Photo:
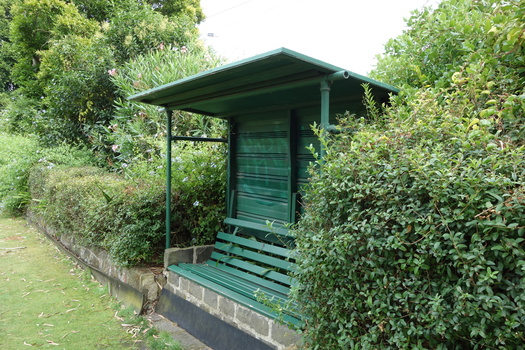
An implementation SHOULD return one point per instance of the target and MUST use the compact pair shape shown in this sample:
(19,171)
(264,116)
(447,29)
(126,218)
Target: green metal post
(169,114)
(325,109)
(326,81)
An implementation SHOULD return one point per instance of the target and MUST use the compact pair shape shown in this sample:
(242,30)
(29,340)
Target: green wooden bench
(253,259)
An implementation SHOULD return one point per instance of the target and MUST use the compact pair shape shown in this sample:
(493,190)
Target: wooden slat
(241,286)
(250,243)
(251,255)
(218,259)
(235,283)
(252,277)
(228,293)
(279,230)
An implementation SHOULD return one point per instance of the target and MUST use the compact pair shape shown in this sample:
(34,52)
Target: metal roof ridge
(211,72)
(259,57)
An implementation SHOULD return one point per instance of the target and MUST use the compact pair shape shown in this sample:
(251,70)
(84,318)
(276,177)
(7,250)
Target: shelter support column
(325,109)
(169,115)
(326,82)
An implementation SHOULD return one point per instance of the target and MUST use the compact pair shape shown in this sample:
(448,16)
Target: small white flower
(196,203)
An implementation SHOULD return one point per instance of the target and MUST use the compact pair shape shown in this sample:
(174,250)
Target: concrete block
(226,307)
(174,279)
(175,256)
(284,335)
(254,320)
(202,253)
(184,284)
(210,299)
(196,290)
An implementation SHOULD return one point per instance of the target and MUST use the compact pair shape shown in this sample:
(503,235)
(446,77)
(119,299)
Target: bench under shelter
(270,103)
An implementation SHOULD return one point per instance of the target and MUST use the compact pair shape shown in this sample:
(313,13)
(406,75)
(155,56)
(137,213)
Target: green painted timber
(278,230)
(242,267)
(227,292)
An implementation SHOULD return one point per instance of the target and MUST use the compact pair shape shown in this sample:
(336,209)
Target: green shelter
(270,102)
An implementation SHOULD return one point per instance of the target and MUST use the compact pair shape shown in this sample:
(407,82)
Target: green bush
(138,30)
(125,215)
(414,228)
(78,91)
(17,154)
(408,243)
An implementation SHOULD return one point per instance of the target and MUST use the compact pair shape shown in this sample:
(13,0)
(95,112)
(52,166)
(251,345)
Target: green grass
(48,302)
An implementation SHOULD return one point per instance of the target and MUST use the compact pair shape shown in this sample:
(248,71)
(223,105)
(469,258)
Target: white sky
(345,33)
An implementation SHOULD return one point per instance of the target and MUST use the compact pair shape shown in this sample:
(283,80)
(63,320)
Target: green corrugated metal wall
(268,164)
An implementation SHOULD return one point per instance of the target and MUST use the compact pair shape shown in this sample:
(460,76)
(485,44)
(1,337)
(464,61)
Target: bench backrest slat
(250,243)
(251,255)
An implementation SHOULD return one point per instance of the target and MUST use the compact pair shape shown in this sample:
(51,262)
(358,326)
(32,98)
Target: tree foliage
(414,228)
(58,54)
(7,52)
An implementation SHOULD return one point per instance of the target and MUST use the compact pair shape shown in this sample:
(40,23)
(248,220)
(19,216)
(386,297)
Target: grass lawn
(48,302)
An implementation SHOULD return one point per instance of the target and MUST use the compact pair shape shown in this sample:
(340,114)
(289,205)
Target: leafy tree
(62,52)
(136,131)
(34,25)
(77,88)
(439,43)
(190,8)
(141,30)
(103,10)
(7,52)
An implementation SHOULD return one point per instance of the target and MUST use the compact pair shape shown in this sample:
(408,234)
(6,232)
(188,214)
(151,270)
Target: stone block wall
(258,326)
(148,281)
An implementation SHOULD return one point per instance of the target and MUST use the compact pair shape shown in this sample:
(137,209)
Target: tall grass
(17,154)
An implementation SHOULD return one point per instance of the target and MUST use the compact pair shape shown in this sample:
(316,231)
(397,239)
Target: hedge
(126,216)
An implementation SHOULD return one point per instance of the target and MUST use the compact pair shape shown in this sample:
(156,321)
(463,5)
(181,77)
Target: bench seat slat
(284,289)
(259,270)
(236,283)
(228,293)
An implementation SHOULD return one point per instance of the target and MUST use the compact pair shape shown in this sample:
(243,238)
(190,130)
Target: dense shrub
(78,90)
(18,154)
(414,228)
(125,215)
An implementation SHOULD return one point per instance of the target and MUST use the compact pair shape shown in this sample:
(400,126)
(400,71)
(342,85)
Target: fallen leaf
(50,342)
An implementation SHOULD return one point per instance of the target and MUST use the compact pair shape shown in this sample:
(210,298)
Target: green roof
(276,79)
